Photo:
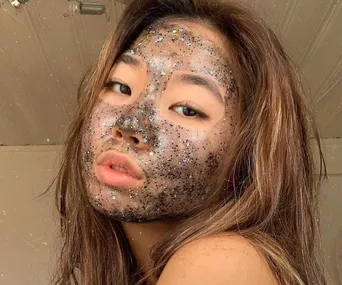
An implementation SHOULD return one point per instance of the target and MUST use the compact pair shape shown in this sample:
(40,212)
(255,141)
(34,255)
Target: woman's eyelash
(110,84)
(200,115)
(123,88)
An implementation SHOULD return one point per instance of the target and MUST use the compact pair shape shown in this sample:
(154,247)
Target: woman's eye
(119,87)
(185,111)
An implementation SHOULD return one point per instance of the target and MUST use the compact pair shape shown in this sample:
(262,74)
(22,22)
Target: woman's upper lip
(112,157)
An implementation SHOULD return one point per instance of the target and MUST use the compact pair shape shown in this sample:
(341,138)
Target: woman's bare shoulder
(218,260)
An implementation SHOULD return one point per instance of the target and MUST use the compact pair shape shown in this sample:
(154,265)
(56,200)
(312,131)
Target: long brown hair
(270,188)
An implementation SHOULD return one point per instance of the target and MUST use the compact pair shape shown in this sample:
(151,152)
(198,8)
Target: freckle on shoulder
(219,259)
(226,242)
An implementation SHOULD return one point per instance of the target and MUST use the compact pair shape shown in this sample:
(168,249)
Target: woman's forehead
(167,47)
(182,39)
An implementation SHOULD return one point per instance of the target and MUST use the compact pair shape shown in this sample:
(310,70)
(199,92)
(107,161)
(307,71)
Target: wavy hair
(270,187)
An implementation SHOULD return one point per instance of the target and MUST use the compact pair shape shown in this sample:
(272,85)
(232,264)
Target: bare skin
(219,260)
(142,237)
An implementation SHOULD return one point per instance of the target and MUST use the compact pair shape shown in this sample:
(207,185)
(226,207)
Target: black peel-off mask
(179,149)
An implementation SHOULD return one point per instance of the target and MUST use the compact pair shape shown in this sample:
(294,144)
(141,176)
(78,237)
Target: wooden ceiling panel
(30,62)
(324,55)
(328,108)
(304,20)
(13,115)
(274,11)
(16,96)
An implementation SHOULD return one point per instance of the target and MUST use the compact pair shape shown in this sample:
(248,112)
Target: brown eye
(186,111)
(118,87)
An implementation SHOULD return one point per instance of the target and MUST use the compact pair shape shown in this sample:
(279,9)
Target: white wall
(28,224)
(331,210)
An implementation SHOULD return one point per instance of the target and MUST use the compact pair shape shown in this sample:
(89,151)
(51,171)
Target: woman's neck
(142,237)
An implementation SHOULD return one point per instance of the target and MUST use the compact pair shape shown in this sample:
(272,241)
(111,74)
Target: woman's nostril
(118,134)
(135,140)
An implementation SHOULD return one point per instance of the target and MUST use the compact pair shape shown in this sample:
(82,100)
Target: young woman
(189,160)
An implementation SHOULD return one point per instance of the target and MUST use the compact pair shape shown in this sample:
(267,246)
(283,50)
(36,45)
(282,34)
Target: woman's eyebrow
(127,59)
(204,82)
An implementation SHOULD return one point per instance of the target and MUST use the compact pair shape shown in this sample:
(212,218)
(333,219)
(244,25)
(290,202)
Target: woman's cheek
(101,121)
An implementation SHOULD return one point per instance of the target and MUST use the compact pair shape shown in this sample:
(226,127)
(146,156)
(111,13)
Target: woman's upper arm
(220,260)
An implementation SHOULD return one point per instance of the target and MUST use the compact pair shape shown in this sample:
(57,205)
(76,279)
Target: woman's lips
(132,175)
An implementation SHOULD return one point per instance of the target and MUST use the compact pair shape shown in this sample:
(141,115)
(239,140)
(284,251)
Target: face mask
(160,130)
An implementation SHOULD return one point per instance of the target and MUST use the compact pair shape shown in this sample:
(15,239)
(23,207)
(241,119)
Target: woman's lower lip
(116,178)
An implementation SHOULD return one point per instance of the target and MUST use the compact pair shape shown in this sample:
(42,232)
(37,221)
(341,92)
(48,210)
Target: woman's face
(160,130)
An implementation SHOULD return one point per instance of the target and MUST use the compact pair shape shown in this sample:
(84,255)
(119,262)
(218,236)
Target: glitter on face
(180,162)
(159,39)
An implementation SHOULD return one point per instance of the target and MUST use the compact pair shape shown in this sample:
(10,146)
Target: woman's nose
(137,141)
